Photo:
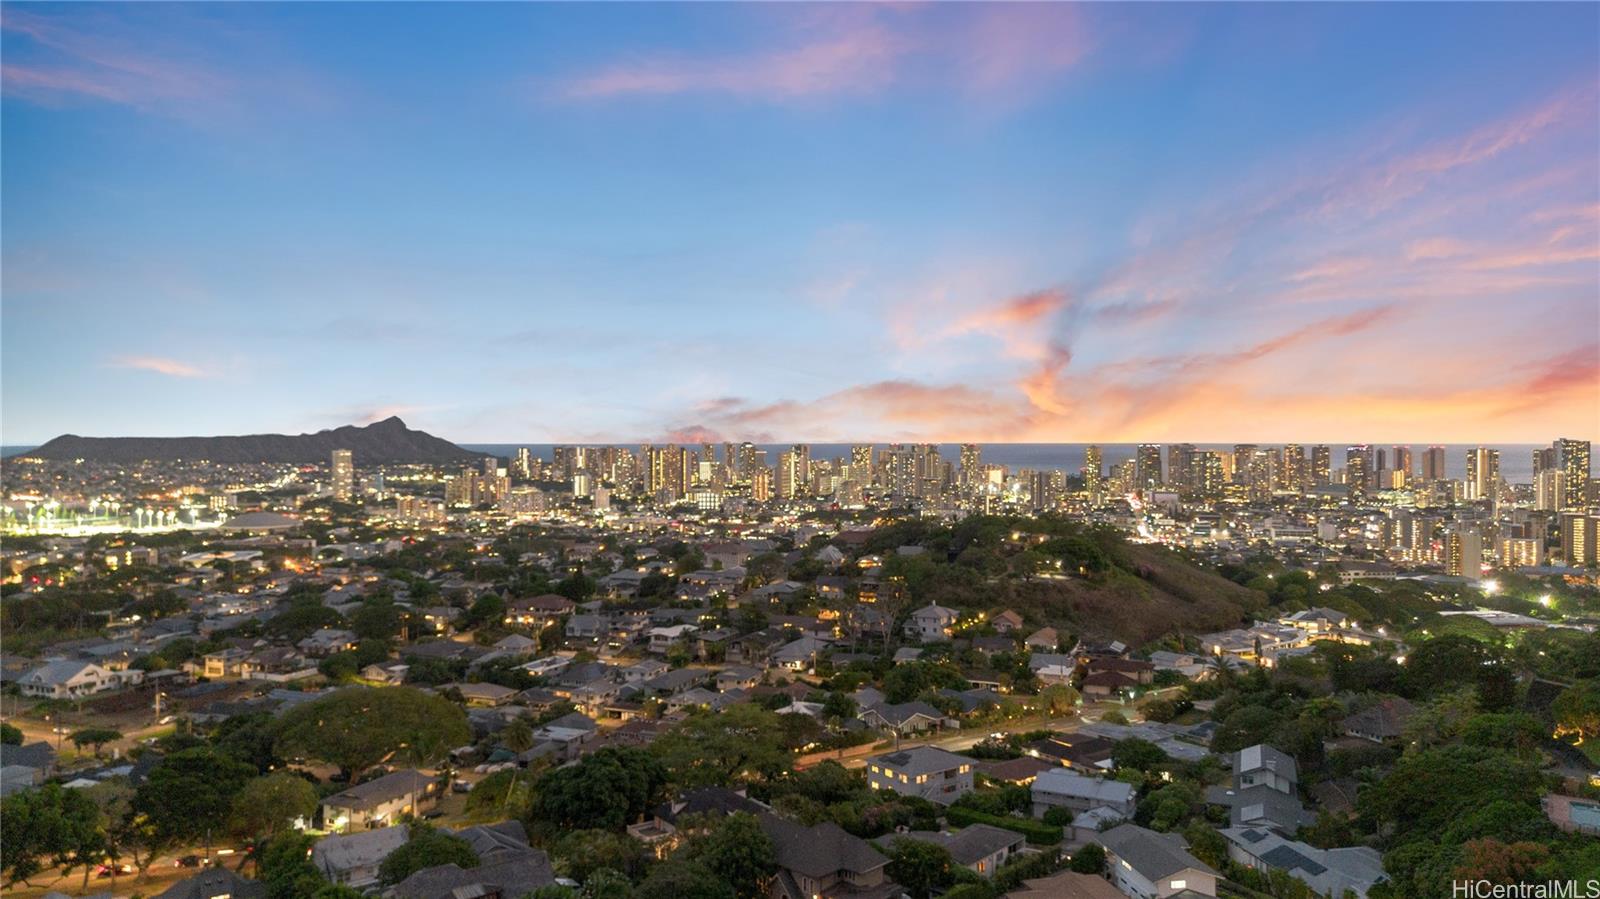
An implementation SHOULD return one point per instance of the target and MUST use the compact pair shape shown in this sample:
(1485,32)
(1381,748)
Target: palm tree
(517,737)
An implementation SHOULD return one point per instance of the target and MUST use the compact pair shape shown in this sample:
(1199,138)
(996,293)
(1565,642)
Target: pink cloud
(858,50)
(160,365)
(101,64)
(854,62)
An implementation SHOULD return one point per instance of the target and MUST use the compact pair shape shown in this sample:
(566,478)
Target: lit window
(1180,884)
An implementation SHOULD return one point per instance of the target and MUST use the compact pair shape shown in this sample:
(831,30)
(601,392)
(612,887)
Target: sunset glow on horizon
(942,222)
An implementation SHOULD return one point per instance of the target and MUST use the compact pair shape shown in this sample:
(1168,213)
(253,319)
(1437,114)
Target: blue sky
(778,222)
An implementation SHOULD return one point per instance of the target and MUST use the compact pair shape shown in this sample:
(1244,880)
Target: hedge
(1037,832)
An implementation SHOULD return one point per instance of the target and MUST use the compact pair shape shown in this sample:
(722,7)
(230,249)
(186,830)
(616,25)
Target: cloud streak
(172,368)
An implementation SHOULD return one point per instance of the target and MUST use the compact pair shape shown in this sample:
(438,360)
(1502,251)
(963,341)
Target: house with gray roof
(215,883)
(825,860)
(1329,872)
(1063,788)
(1261,806)
(378,802)
(1261,765)
(979,847)
(902,718)
(1144,864)
(924,771)
(353,858)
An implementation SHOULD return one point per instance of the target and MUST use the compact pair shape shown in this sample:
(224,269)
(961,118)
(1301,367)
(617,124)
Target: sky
(783,222)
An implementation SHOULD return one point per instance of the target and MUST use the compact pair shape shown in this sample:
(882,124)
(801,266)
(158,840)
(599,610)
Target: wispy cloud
(160,365)
(90,58)
(861,50)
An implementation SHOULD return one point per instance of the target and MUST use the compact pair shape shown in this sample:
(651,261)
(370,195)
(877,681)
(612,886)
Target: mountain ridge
(384,442)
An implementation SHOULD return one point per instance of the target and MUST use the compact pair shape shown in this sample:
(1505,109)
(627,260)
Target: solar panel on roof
(1287,858)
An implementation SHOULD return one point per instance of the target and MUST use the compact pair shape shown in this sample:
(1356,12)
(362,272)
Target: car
(461,786)
(188,861)
(113,870)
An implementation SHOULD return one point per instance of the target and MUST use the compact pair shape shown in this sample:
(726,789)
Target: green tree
(581,853)
(921,867)
(190,794)
(49,825)
(285,867)
(1577,710)
(744,741)
(358,727)
(1091,859)
(95,737)
(426,848)
(268,805)
(249,738)
(740,854)
(607,884)
(9,735)
(607,789)
(1140,755)
(682,880)
(1058,699)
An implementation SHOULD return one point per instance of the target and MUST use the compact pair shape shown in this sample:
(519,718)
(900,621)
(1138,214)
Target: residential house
(538,611)
(215,883)
(1007,622)
(1143,864)
(1262,765)
(353,859)
(1379,723)
(905,718)
(1066,885)
(1061,788)
(327,641)
(1261,806)
(224,663)
(662,639)
(1572,814)
(978,847)
(1328,872)
(70,679)
(924,771)
(1079,751)
(825,861)
(643,670)
(587,627)
(931,623)
(379,802)
(737,678)
(508,868)
(799,655)
(1045,639)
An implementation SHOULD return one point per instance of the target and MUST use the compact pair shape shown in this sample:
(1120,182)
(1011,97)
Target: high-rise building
(794,471)
(971,465)
(1180,475)
(1483,473)
(1296,476)
(1521,552)
(760,483)
(1433,464)
(1402,464)
(1573,458)
(1094,469)
(1210,480)
(522,464)
(343,475)
(1321,465)
(1464,551)
(1357,469)
(1579,538)
(1550,490)
(1147,466)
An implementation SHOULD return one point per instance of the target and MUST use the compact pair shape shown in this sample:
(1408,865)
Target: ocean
(1516,459)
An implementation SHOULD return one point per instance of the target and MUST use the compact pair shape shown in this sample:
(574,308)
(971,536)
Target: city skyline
(804,223)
